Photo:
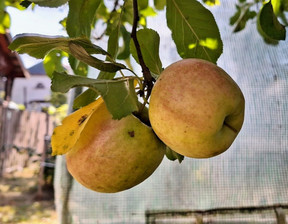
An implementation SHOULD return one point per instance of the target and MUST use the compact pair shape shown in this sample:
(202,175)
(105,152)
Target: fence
(24,138)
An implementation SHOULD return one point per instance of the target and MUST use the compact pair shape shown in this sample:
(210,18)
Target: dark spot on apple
(131,133)
(65,146)
(71,132)
(82,119)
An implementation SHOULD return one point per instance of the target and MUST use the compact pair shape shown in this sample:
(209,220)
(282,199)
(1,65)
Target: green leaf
(85,98)
(89,95)
(119,95)
(25,3)
(53,62)
(13,3)
(38,46)
(242,15)
(81,54)
(143,4)
(124,50)
(80,48)
(113,44)
(78,67)
(49,3)
(5,21)
(102,12)
(194,30)
(81,17)
(285,5)
(149,43)
(159,4)
(268,24)
(172,155)
(127,12)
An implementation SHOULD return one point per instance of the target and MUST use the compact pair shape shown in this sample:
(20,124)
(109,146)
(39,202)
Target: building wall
(35,88)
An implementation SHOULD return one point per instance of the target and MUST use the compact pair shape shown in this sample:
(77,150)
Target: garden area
(19,202)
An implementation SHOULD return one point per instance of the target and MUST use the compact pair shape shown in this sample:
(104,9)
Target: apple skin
(196,108)
(114,155)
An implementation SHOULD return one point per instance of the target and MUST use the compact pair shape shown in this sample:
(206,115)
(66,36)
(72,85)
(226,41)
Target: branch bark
(148,79)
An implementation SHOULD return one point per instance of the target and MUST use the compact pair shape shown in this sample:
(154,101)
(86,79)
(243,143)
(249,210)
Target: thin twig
(116,4)
(148,79)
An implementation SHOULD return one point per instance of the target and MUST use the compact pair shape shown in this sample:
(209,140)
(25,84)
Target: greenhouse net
(246,184)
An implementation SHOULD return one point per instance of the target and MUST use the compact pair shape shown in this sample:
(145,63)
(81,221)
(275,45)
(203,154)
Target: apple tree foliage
(123,23)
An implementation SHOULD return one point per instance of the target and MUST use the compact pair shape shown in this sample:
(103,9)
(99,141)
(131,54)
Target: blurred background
(246,184)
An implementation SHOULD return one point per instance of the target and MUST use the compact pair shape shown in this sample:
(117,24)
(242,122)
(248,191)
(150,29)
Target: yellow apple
(196,108)
(114,155)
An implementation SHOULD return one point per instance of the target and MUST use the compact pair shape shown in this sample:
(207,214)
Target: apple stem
(148,79)
(229,126)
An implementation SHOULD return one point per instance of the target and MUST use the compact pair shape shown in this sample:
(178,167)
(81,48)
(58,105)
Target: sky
(41,20)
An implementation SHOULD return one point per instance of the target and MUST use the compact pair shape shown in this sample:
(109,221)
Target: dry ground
(19,203)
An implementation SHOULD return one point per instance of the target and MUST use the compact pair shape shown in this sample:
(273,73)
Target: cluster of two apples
(196,109)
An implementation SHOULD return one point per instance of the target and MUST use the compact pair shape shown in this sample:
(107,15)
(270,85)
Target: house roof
(11,65)
(37,69)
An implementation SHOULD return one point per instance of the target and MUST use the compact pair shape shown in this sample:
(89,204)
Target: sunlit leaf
(53,62)
(4,21)
(268,24)
(191,24)
(276,6)
(149,41)
(16,4)
(65,136)
(212,2)
(149,11)
(119,95)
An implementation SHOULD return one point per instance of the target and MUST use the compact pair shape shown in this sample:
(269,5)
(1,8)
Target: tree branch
(148,79)
(116,4)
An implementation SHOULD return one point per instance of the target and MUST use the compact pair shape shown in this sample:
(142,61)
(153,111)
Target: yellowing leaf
(66,135)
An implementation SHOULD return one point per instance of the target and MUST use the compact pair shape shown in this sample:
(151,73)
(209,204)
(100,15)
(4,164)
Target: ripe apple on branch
(123,126)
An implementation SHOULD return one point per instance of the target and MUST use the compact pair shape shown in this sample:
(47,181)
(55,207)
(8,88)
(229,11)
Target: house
(11,67)
(33,92)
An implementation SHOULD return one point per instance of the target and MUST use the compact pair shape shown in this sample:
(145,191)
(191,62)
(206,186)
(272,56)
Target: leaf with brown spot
(66,135)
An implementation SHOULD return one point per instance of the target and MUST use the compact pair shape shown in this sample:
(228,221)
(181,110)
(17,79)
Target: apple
(114,155)
(196,108)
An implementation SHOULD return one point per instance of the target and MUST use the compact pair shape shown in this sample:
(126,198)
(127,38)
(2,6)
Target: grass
(19,201)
